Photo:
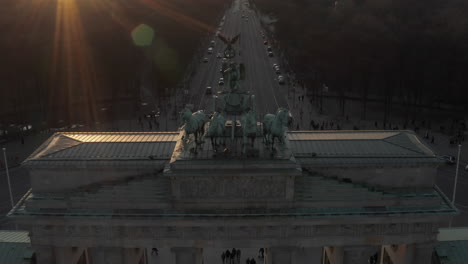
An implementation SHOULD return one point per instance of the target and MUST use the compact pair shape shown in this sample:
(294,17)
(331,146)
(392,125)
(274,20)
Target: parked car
(449,159)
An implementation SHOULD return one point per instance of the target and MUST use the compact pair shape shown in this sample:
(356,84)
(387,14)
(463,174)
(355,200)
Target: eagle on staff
(229,51)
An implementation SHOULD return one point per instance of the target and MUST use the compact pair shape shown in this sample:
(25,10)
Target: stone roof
(359,147)
(105,146)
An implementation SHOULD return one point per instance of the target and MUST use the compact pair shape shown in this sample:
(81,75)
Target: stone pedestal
(188,255)
(307,255)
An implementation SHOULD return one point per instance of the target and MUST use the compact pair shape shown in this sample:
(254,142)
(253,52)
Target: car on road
(208,90)
(275,65)
(265,42)
(219,56)
(270,54)
(269,48)
(205,60)
(277,70)
(210,50)
(281,79)
(221,81)
(448,159)
(212,43)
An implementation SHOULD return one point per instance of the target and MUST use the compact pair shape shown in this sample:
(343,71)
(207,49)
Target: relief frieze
(232,232)
(233,188)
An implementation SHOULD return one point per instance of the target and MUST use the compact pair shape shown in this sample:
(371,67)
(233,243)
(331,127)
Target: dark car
(449,159)
(270,54)
(208,90)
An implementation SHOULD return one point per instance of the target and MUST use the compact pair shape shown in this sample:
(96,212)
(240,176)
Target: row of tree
(408,52)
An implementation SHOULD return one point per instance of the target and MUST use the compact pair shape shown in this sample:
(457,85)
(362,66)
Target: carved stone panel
(232,188)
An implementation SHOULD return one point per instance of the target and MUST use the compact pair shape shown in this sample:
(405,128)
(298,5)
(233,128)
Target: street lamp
(8,177)
(456,176)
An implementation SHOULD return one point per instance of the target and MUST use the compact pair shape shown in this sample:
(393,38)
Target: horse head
(282,116)
(186,114)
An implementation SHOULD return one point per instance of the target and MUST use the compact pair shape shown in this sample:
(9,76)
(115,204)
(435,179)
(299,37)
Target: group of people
(234,256)
(151,118)
(231,257)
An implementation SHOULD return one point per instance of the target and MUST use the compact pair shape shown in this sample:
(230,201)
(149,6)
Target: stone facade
(198,204)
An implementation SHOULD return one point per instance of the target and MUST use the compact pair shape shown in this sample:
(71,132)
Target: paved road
(261,79)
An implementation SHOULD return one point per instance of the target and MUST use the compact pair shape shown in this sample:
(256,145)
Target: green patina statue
(274,127)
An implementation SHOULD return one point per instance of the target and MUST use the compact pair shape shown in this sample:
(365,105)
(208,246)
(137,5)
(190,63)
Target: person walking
(262,253)
(233,255)
(228,255)
(223,257)
(238,255)
(247,261)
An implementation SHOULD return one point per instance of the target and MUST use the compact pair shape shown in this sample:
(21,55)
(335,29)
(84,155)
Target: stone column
(278,255)
(68,255)
(333,254)
(107,255)
(44,255)
(307,255)
(133,255)
(395,253)
(188,255)
(359,254)
(422,253)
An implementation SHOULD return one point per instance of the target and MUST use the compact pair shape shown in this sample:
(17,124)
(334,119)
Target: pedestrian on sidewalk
(432,140)
(375,124)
